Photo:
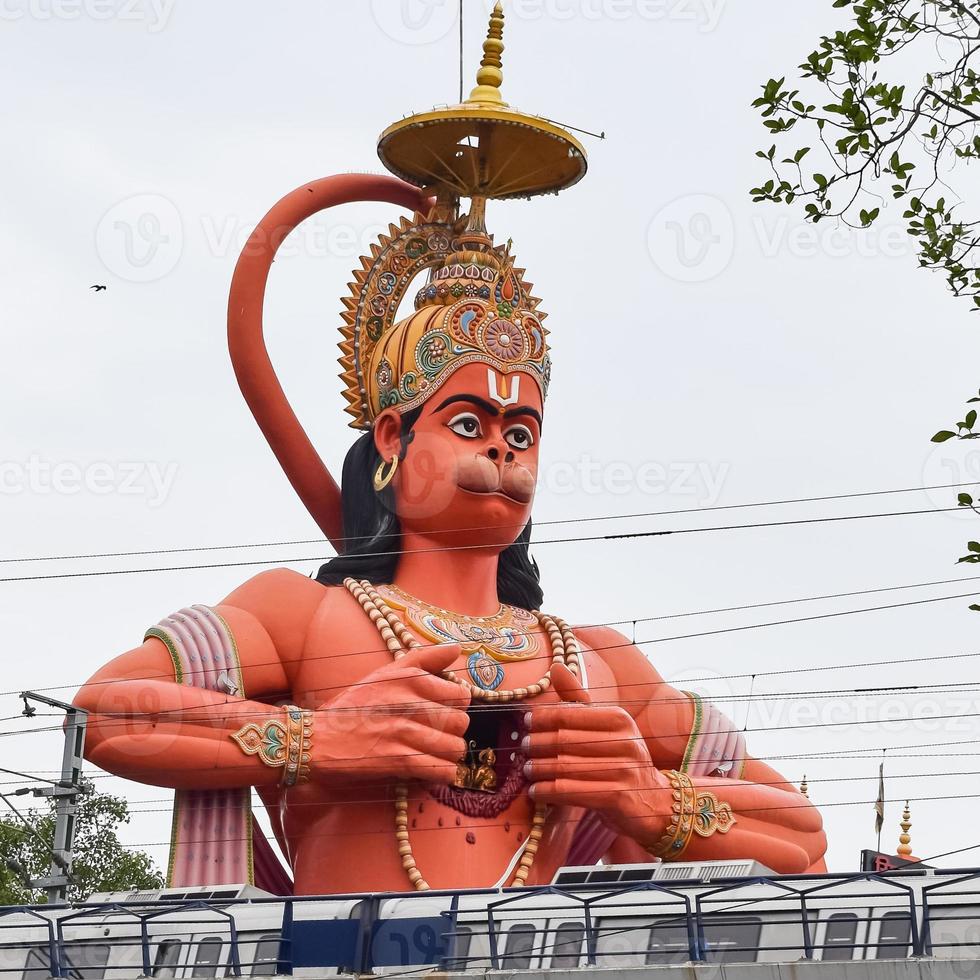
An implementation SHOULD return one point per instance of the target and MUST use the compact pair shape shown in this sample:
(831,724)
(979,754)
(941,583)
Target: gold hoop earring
(382,479)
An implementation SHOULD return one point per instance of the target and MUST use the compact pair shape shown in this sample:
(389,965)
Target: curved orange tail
(256,376)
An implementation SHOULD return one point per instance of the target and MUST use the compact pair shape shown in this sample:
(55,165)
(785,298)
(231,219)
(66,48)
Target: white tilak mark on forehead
(494,392)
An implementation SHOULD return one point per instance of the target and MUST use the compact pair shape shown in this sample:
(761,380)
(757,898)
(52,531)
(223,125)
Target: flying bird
(98,289)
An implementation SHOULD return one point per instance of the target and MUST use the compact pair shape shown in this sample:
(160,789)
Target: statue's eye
(466,424)
(519,436)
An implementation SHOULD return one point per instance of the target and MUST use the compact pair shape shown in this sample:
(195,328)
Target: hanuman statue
(410,718)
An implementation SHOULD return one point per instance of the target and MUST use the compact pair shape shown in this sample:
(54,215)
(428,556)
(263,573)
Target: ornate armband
(693,811)
(282,743)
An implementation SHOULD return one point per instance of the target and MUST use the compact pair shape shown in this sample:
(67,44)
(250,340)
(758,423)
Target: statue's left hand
(593,755)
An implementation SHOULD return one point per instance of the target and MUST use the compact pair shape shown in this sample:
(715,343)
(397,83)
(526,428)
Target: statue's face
(469,473)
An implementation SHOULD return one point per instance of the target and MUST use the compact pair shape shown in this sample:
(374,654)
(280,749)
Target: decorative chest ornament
(484,671)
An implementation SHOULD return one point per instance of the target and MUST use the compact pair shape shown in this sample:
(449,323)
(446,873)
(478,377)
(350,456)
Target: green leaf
(971,418)
(964,500)
(943,435)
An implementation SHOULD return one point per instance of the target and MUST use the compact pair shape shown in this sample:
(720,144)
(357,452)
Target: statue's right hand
(402,720)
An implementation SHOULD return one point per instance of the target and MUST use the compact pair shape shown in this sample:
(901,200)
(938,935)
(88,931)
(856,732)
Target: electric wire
(101,573)
(642,619)
(537,524)
(484,824)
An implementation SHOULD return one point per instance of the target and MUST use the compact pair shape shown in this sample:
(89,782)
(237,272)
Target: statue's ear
(387,431)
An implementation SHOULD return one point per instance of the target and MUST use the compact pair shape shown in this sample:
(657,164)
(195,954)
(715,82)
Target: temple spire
(489,75)
(905,838)
(804,787)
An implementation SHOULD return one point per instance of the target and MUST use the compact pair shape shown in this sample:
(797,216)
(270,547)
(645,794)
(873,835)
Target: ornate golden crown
(475,306)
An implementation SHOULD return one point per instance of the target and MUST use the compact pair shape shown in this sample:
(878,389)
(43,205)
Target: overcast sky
(708,352)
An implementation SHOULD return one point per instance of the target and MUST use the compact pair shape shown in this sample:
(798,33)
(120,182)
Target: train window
(85,961)
(38,966)
(460,945)
(568,945)
(206,961)
(167,955)
(668,944)
(520,943)
(732,939)
(893,936)
(840,937)
(266,962)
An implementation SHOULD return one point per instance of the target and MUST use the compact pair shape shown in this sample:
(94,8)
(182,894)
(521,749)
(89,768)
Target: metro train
(613,916)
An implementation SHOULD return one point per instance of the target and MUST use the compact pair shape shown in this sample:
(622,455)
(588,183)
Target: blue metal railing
(686,921)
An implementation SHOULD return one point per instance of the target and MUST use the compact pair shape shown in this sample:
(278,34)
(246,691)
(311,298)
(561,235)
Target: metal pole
(65,794)
(66,804)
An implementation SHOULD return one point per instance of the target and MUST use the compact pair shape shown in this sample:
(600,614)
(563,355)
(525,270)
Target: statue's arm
(148,725)
(640,731)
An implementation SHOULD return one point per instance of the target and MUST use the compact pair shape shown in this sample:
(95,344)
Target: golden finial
(905,839)
(483,148)
(489,76)
(804,788)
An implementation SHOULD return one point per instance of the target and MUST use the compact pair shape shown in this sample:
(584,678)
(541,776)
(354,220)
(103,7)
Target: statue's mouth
(480,475)
(499,730)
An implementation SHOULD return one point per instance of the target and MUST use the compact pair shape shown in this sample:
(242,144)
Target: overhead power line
(623,536)
(485,824)
(538,524)
(646,619)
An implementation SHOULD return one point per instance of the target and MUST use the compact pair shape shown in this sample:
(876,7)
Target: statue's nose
(493,453)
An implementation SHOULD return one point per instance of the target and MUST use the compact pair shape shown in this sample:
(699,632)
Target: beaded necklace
(506,636)
(398,639)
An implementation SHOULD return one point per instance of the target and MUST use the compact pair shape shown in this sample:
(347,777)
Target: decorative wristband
(692,812)
(281,743)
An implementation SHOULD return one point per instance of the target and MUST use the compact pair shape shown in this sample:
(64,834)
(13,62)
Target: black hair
(373,535)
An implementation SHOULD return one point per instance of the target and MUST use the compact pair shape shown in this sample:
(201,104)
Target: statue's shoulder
(277,585)
(629,665)
(600,638)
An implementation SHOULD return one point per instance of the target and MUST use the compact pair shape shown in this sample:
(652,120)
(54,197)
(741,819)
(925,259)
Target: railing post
(53,948)
(145,948)
(284,967)
(926,926)
(701,952)
(591,940)
(805,922)
(916,935)
(57,960)
(236,965)
(693,940)
(492,939)
(448,959)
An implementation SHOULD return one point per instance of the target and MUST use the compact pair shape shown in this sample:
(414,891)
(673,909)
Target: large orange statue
(409,718)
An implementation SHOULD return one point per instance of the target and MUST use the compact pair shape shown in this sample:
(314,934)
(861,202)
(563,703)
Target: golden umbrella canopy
(483,148)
